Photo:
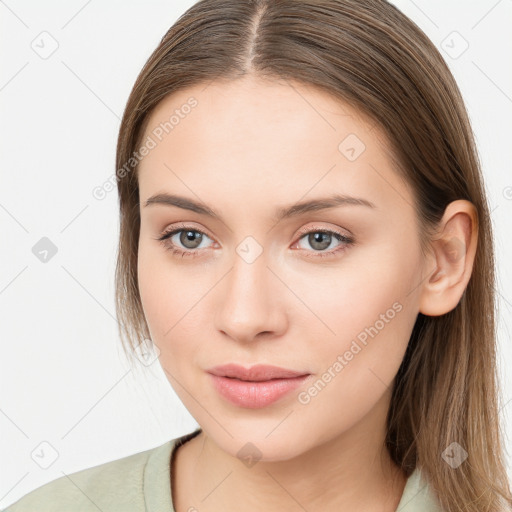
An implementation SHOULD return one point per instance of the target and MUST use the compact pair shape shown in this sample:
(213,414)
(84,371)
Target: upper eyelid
(301,231)
(315,229)
(177,228)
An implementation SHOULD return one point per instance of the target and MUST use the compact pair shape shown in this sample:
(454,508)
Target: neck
(351,471)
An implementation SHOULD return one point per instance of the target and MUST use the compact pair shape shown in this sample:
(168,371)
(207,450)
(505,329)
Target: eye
(321,239)
(184,240)
(187,241)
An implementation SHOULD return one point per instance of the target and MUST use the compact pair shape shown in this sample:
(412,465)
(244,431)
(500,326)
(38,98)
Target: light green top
(142,482)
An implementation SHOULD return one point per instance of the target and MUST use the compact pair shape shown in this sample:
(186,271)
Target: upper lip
(259,372)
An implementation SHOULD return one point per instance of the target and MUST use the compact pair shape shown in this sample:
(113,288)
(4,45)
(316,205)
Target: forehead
(251,108)
(251,135)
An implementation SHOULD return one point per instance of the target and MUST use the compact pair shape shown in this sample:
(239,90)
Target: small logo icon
(454,45)
(249,454)
(454,455)
(249,249)
(147,352)
(44,250)
(44,454)
(45,45)
(351,147)
(455,249)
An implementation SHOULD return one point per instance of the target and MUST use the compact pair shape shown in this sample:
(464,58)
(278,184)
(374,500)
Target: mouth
(257,373)
(255,387)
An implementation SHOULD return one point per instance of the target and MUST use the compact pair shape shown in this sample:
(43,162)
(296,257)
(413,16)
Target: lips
(257,373)
(255,387)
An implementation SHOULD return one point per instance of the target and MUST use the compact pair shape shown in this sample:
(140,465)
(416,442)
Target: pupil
(190,236)
(320,240)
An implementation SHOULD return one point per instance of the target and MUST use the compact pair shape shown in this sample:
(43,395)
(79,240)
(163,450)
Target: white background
(64,380)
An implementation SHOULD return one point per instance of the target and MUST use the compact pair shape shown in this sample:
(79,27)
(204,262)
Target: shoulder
(114,485)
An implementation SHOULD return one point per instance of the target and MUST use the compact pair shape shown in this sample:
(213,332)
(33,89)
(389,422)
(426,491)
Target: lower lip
(254,395)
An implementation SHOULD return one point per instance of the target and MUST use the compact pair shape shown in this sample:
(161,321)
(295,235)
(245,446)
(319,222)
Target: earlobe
(453,254)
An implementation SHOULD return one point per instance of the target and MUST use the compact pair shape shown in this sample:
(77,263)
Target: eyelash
(166,235)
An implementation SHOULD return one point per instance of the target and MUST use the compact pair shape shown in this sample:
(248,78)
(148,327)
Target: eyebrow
(286,212)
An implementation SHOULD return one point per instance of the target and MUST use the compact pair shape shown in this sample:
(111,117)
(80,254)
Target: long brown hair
(369,54)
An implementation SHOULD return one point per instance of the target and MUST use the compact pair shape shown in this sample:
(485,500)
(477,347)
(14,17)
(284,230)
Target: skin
(251,146)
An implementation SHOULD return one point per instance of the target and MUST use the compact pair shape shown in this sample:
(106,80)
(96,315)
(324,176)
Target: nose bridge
(248,302)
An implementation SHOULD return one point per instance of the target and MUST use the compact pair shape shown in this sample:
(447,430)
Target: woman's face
(329,290)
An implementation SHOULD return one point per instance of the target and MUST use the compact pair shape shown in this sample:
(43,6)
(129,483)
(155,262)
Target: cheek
(171,299)
(370,312)
(366,288)
(373,320)
(154,292)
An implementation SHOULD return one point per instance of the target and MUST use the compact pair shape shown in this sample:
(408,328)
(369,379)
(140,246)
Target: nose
(249,302)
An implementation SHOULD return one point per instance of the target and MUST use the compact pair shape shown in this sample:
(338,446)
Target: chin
(263,441)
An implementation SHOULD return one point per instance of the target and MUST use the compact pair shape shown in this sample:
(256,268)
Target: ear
(453,254)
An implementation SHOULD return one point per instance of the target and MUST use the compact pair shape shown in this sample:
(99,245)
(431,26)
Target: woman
(305,240)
